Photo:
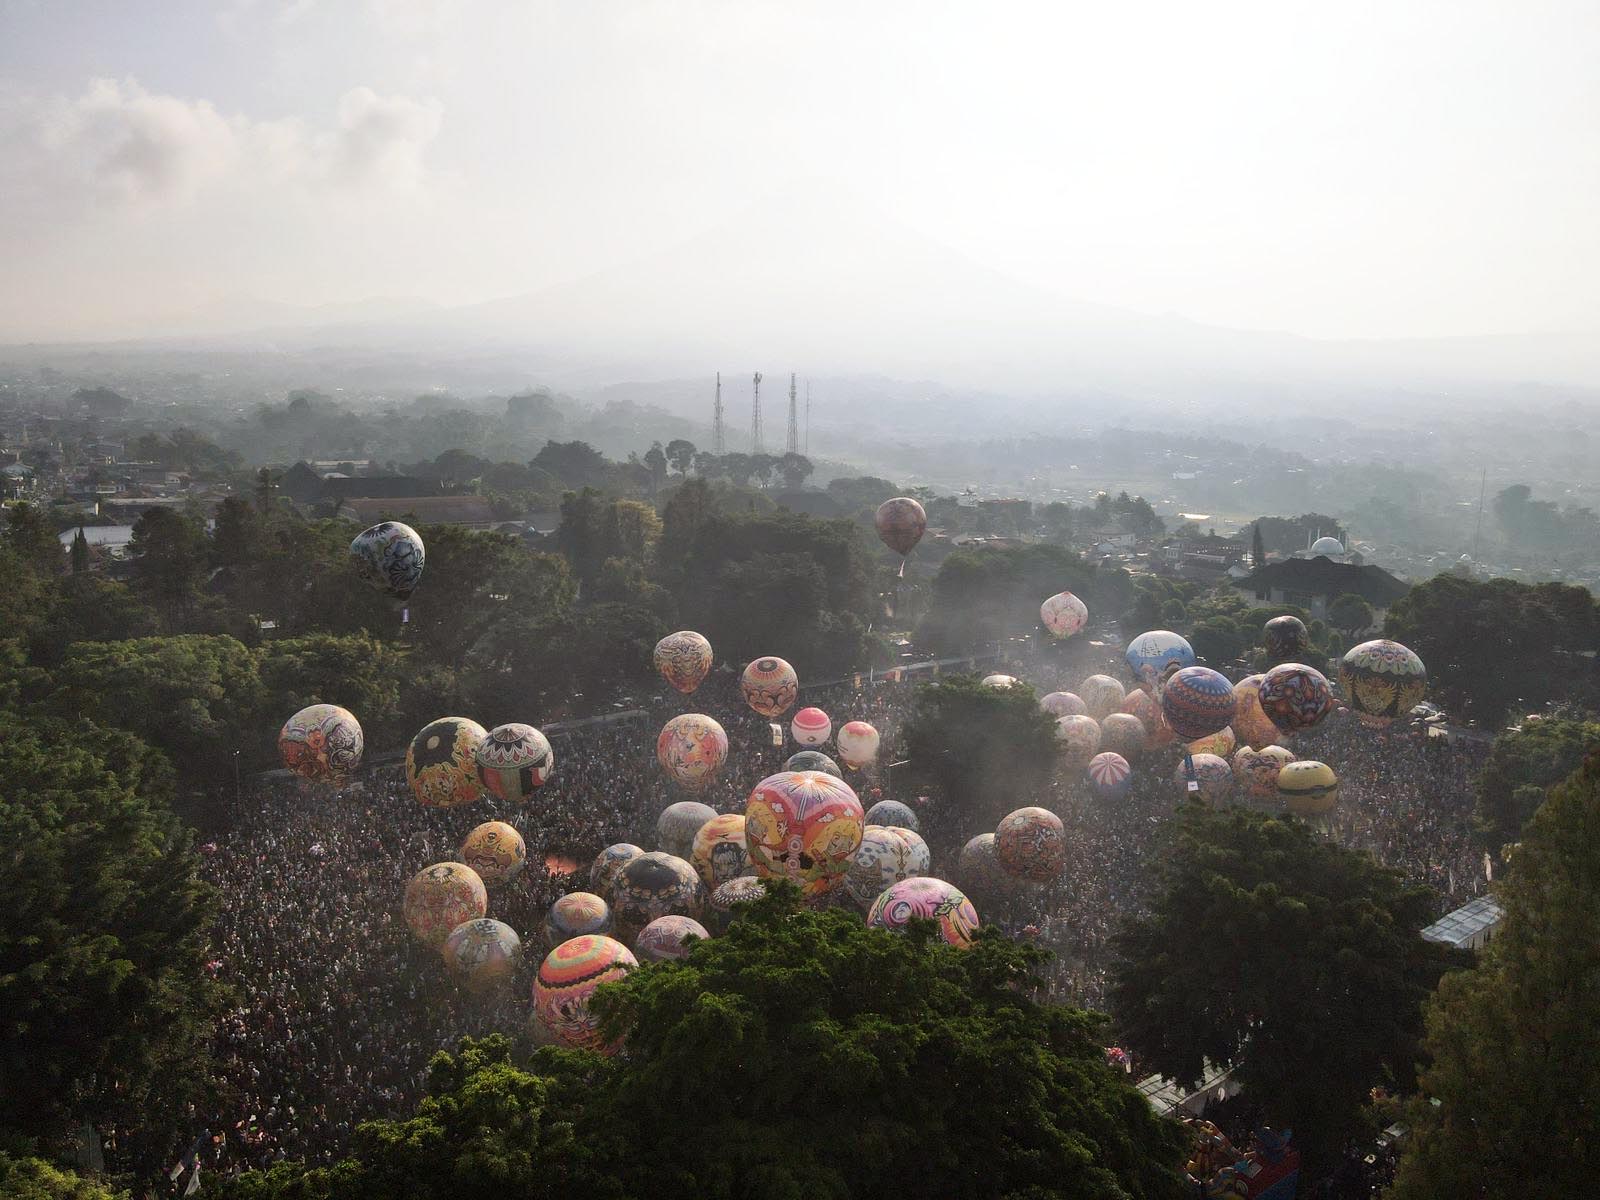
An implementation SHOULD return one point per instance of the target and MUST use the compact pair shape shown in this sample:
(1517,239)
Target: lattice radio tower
(793,445)
(755,417)
(717,446)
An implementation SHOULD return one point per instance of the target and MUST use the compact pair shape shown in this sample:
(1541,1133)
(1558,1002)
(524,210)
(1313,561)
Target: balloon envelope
(574,915)
(440,897)
(442,764)
(1101,694)
(813,760)
(930,900)
(1296,697)
(1251,725)
(495,850)
(1383,680)
(811,727)
(482,953)
(1063,704)
(513,761)
(679,824)
(1151,653)
(1197,701)
(568,979)
(1031,843)
(858,744)
(770,686)
(1109,775)
(1064,614)
(803,826)
(654,885)
(892,812)
(901,523)
(322,742)
(1257,770)
(684,659)
(1123,733)
(1285,637)
(1308,788)
(668,938)
(884,857)
(718,853)
(1211,772)
(608,862)
(1078,738)
(389,556)
(691,748)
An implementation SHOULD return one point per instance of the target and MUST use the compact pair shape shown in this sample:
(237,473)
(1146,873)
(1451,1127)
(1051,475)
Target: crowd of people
(338,1010)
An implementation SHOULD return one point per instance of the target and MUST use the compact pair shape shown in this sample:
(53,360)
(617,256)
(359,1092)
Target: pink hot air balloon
(811,727)
(1064,615)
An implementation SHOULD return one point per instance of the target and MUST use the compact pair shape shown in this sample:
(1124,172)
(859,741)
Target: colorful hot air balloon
(1031,843)
(1285,637)
(495,850)
(1123,733)
(1197,701)
(1064,614)
(1150,654)
(389,557)
(442,765)
(884,857)
(576,914)
(691,748)
(608,862)
(811,727)
(1220,743)
(803,826)
(858,744)
(1102,695)
(1211,771)
(513,761)
(654,885)
(668,938)
(322,743)
(813,760)
(901,523)
(568,979)
(440,897)
(979,868)
(1383,680)
(1140,703)
(893,813)
(1110,775)
(770,686)
(684,659)
(1078,738)
(679,824)
(1063,704)
(1257,770)
(742,889)
(1296,697)
(1251,725)
(482,953)
(1308,788)
(718,853)
(928,899)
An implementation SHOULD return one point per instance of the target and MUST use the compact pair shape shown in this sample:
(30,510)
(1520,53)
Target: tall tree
(34,538)
(1513,1075)
(80,552)
(169,552)
(1523,764)
(1258,547)
(1350,614)
(1291,959)
(681,454)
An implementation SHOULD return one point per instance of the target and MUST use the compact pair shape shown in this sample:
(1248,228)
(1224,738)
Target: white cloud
(381,140)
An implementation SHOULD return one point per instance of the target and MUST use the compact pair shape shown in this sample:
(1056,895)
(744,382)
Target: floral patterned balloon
(691,749)
(1031,843)
(1064,615)
(513,761)
(1210,771)
(440,897)
(389,556)
(1383,680)
(568,979)
(482,953)
(441,762)
(574,915)
(1251,725)
(1197,701)
(667,938)
(1063,704)
(1296,697)
(322,743)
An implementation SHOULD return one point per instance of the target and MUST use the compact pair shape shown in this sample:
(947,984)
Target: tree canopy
(1523,763)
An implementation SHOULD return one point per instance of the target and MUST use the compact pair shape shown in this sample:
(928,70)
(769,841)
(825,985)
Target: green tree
(34,539)
(87,608)
(36,1179)
(986,750)
(1292,959)
(475,580)
(681,454)
(1350,614)
(795,469)
(169,552)
(981,596)
(655,461)
(355,671)
(104,999)
(1258,547)
(1513,1072)
(239,535)
(1523,763)
(80,552)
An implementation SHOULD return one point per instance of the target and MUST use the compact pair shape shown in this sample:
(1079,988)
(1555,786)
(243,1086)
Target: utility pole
(755,417)
(717,446)
(793,445)
(808,416)
(1483,486)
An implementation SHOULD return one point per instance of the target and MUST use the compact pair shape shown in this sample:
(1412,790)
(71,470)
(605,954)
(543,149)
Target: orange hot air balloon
(684,659)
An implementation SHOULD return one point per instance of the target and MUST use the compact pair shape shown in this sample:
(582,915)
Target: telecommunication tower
(793,445)
(717,446)
(755,417)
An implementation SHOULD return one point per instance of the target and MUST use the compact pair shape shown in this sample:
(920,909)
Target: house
(468,512)
(1314,583)
(300,483)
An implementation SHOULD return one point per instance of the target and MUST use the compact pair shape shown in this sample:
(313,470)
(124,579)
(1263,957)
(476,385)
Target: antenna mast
(716,421)
(793,445)
(808,416)
(755,417)
(1483,486)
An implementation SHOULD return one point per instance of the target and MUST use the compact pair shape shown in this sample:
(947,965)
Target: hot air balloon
(1211,771)
(322,743)
(1031,843)
(930,900)
(576,914)
(654,885)
(718,853)
(668,938)
(691,748)
(442,765)
(1285,637)
(1296,697)
(389,557)
(1197,701)
(1257,770)
(1220,743)
(513,761)
(1078,738)
(482,953)
(608,862)
(858,744)
(1383,680)
(1150,654)
(1064,614)
(1109,775)
(1064,704)
(568,979)
(813,760)
(742,889)
(892,812)
(495,850)
(803,826)
(679,824)
(1123,733)
(1308,788)
(770,686)
(885,856)
(1140,703)
(1251,725)
(1102,694)
(901,523)
(811,727)
(684,659)
(440,897)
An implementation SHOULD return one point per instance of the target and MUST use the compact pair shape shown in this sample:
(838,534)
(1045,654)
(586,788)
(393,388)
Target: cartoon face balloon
(930,900)
(513,761)
(718,853)
(1150,654)
(574,915)
(495,850)
(684,659)
(885,856)
(1197,701)
(770,686)
(901,523)
(322,743)
(668,938)
(568,979)
(440,897)
(1031,843)
(482,954)
(1308,788)
(389,557)
(1109,775)
(803,826)
(1064,615)
(811,727)
(1296,697)
(858,744)
(691,749)
(1383,680)
(442,764)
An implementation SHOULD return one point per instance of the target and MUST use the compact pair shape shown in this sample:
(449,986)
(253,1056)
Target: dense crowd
(338,1010)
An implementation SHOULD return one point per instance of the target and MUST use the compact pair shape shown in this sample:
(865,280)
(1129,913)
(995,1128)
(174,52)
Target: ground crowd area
(339,1009)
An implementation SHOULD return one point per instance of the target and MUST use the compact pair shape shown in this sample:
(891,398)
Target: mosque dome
(1327,545)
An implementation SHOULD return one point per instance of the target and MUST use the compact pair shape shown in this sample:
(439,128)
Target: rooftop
(1458,928)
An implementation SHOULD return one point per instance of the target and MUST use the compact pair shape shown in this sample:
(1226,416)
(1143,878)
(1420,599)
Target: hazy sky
(1386,169)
